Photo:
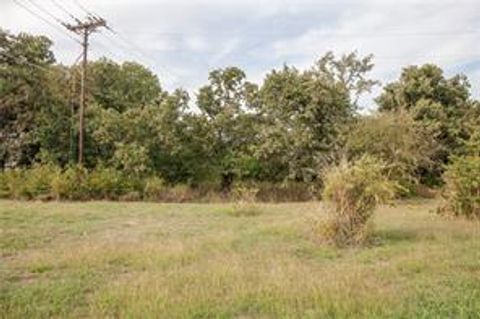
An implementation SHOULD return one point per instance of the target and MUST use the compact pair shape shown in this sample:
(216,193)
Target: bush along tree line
(143,142)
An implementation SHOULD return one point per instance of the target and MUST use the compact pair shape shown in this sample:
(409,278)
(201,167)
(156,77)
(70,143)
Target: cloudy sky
(181,40)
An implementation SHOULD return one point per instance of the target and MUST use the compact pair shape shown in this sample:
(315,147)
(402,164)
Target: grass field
(144,260)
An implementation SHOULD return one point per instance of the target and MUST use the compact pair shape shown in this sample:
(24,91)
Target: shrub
(106,183)
(461,193)
(244,197)
(154,188)
(38,181)
(352,190)
(71,184)
(28,184)
(405,146)
(12,184)
(4,189)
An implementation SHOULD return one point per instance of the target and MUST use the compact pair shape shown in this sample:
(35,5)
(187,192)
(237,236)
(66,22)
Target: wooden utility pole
(84,29)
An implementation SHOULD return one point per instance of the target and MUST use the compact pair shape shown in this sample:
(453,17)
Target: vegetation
(282,131)
(443,106)
(352,192)
(244,201)
(462,188)
(399,141)
(104,259)
(298,134)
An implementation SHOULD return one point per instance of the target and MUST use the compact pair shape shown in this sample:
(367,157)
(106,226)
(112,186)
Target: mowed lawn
(146,260)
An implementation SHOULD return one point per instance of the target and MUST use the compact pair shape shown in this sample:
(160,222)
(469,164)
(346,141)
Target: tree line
(287,128)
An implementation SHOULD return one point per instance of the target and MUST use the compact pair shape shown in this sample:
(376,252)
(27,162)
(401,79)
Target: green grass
(143,260)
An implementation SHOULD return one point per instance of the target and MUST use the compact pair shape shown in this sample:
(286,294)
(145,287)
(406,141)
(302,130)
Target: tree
(303,113)
(227,107)
(122,86)
(441,104)
(33,104)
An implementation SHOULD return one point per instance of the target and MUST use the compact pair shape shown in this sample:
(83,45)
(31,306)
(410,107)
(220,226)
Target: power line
(88,12)
(44,20)
(128,44)
(141,53)
(62,8)
(48,13)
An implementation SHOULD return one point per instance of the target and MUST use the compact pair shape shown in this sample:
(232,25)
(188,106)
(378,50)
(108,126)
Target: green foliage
(442,105)
(12,182)
(34,183)
(303,114)
(38,181)
(404,145)
(352,191)
(227,110)
(123,86)
(461,193)
(106,183)
(131,158)
(33,111)
(71,184)
(284,130)
(154,188)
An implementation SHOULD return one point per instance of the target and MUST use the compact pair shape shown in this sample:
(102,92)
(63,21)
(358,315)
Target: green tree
(122,86)
(441,104)
(34,108)
(303,113)
(227,107)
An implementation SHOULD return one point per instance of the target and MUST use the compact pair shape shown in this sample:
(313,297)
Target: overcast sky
(181,40)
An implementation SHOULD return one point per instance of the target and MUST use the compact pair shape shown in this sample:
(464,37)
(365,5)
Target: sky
(182,40)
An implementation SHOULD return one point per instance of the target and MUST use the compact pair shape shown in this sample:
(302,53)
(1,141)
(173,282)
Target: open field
(144,260)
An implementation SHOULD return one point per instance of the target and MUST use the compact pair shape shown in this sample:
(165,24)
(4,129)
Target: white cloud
(184,39)
(398,35)
(196,43)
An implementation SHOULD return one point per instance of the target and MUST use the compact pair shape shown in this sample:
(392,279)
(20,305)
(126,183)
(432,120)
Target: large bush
(352,191)
(461,193)
(404,145)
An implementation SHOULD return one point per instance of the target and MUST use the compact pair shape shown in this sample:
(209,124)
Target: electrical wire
(45,20)
(88,12)
(48,13)
(62,8)
(170,76)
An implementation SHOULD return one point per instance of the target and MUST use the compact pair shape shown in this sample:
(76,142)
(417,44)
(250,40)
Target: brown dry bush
(352,191)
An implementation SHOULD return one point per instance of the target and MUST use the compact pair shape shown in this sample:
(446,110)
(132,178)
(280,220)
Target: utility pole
(84,29)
